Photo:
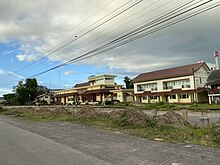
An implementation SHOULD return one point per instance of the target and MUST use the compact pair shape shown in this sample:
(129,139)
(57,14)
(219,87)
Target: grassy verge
(167,106)
(160,106)
(147,128)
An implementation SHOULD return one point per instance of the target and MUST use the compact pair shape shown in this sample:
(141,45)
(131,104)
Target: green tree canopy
(128,82)
(25,93)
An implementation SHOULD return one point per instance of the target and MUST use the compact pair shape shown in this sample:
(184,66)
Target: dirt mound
(131,117)
(115,114)
(40,113)
(86,112)
(61,112)
(172,118)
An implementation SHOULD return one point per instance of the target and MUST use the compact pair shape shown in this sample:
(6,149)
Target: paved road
(55,143)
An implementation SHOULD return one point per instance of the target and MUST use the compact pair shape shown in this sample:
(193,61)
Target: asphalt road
(54,143)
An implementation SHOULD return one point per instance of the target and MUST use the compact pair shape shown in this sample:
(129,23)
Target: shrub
(108,102)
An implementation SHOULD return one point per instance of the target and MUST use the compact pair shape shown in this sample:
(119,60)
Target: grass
(163,106)
(204,107)
(160,106)
(205,136)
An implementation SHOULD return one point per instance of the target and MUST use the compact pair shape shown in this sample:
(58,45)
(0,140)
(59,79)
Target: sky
(36,36)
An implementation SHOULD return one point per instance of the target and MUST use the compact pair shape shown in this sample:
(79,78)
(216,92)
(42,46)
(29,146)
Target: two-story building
(97,89)
(183,84)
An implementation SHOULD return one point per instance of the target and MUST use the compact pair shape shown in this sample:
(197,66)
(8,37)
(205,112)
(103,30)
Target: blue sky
(31,30)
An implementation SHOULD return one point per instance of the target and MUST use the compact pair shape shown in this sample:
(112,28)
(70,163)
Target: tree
(31,87)
(25,93)
(128,82)
(10,99)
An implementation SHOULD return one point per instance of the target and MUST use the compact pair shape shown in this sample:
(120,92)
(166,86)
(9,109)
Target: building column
(148,98)
(64,100)
(210,101)
(178,98)
(100,95)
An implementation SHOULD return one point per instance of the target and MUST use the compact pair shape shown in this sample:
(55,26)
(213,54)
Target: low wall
(70,108)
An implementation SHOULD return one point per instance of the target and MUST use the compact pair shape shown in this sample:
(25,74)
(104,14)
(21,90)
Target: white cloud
(67,73)
(5,91)
(37,24)
(2,72)
(67,85)
(28,58)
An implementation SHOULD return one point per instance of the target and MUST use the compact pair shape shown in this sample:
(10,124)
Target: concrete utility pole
(195,90)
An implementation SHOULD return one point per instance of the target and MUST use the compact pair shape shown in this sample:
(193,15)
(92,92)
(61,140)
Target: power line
(144,34)
(155,9)
(22,68)
(76,38)
(120,39)
(99,25)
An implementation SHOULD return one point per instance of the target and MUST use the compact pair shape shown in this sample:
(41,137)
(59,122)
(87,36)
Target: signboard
(215,53)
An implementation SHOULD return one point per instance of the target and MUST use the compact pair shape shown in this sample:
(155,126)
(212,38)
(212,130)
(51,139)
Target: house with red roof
(182,84)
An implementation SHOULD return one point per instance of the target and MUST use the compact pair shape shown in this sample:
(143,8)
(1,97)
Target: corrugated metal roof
(214,78)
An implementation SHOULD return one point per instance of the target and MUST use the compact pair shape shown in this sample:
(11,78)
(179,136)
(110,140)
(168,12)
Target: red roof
(185,70)
(81,85)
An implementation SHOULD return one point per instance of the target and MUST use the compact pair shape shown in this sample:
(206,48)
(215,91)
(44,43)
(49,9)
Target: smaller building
(47,98)
(213,82)
(123,95)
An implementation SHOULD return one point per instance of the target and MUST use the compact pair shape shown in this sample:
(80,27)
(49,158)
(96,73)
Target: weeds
(131,121)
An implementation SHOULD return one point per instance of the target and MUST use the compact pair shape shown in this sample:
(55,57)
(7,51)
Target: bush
(108,102)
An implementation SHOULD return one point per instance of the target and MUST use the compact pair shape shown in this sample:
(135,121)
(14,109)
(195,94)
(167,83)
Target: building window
(147,87)
(184,96)
(99,79)
(184,83)
(70,99)
(109,78)
(144,97)
(153,97)
(200,80)
(172,96)
(186,86)
(109,87)
(140,88)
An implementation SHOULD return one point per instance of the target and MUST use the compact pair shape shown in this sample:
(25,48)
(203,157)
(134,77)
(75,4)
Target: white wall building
(184,84)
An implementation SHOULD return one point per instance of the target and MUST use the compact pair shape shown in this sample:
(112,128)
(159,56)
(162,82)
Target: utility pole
(195,90)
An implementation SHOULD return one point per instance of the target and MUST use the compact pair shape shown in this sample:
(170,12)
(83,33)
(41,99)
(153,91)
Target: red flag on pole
(215,53)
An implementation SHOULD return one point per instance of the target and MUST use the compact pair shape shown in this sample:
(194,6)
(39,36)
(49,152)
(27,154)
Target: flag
(215,53)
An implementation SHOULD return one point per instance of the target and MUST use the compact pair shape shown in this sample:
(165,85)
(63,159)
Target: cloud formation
(67,73)
(37,25)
